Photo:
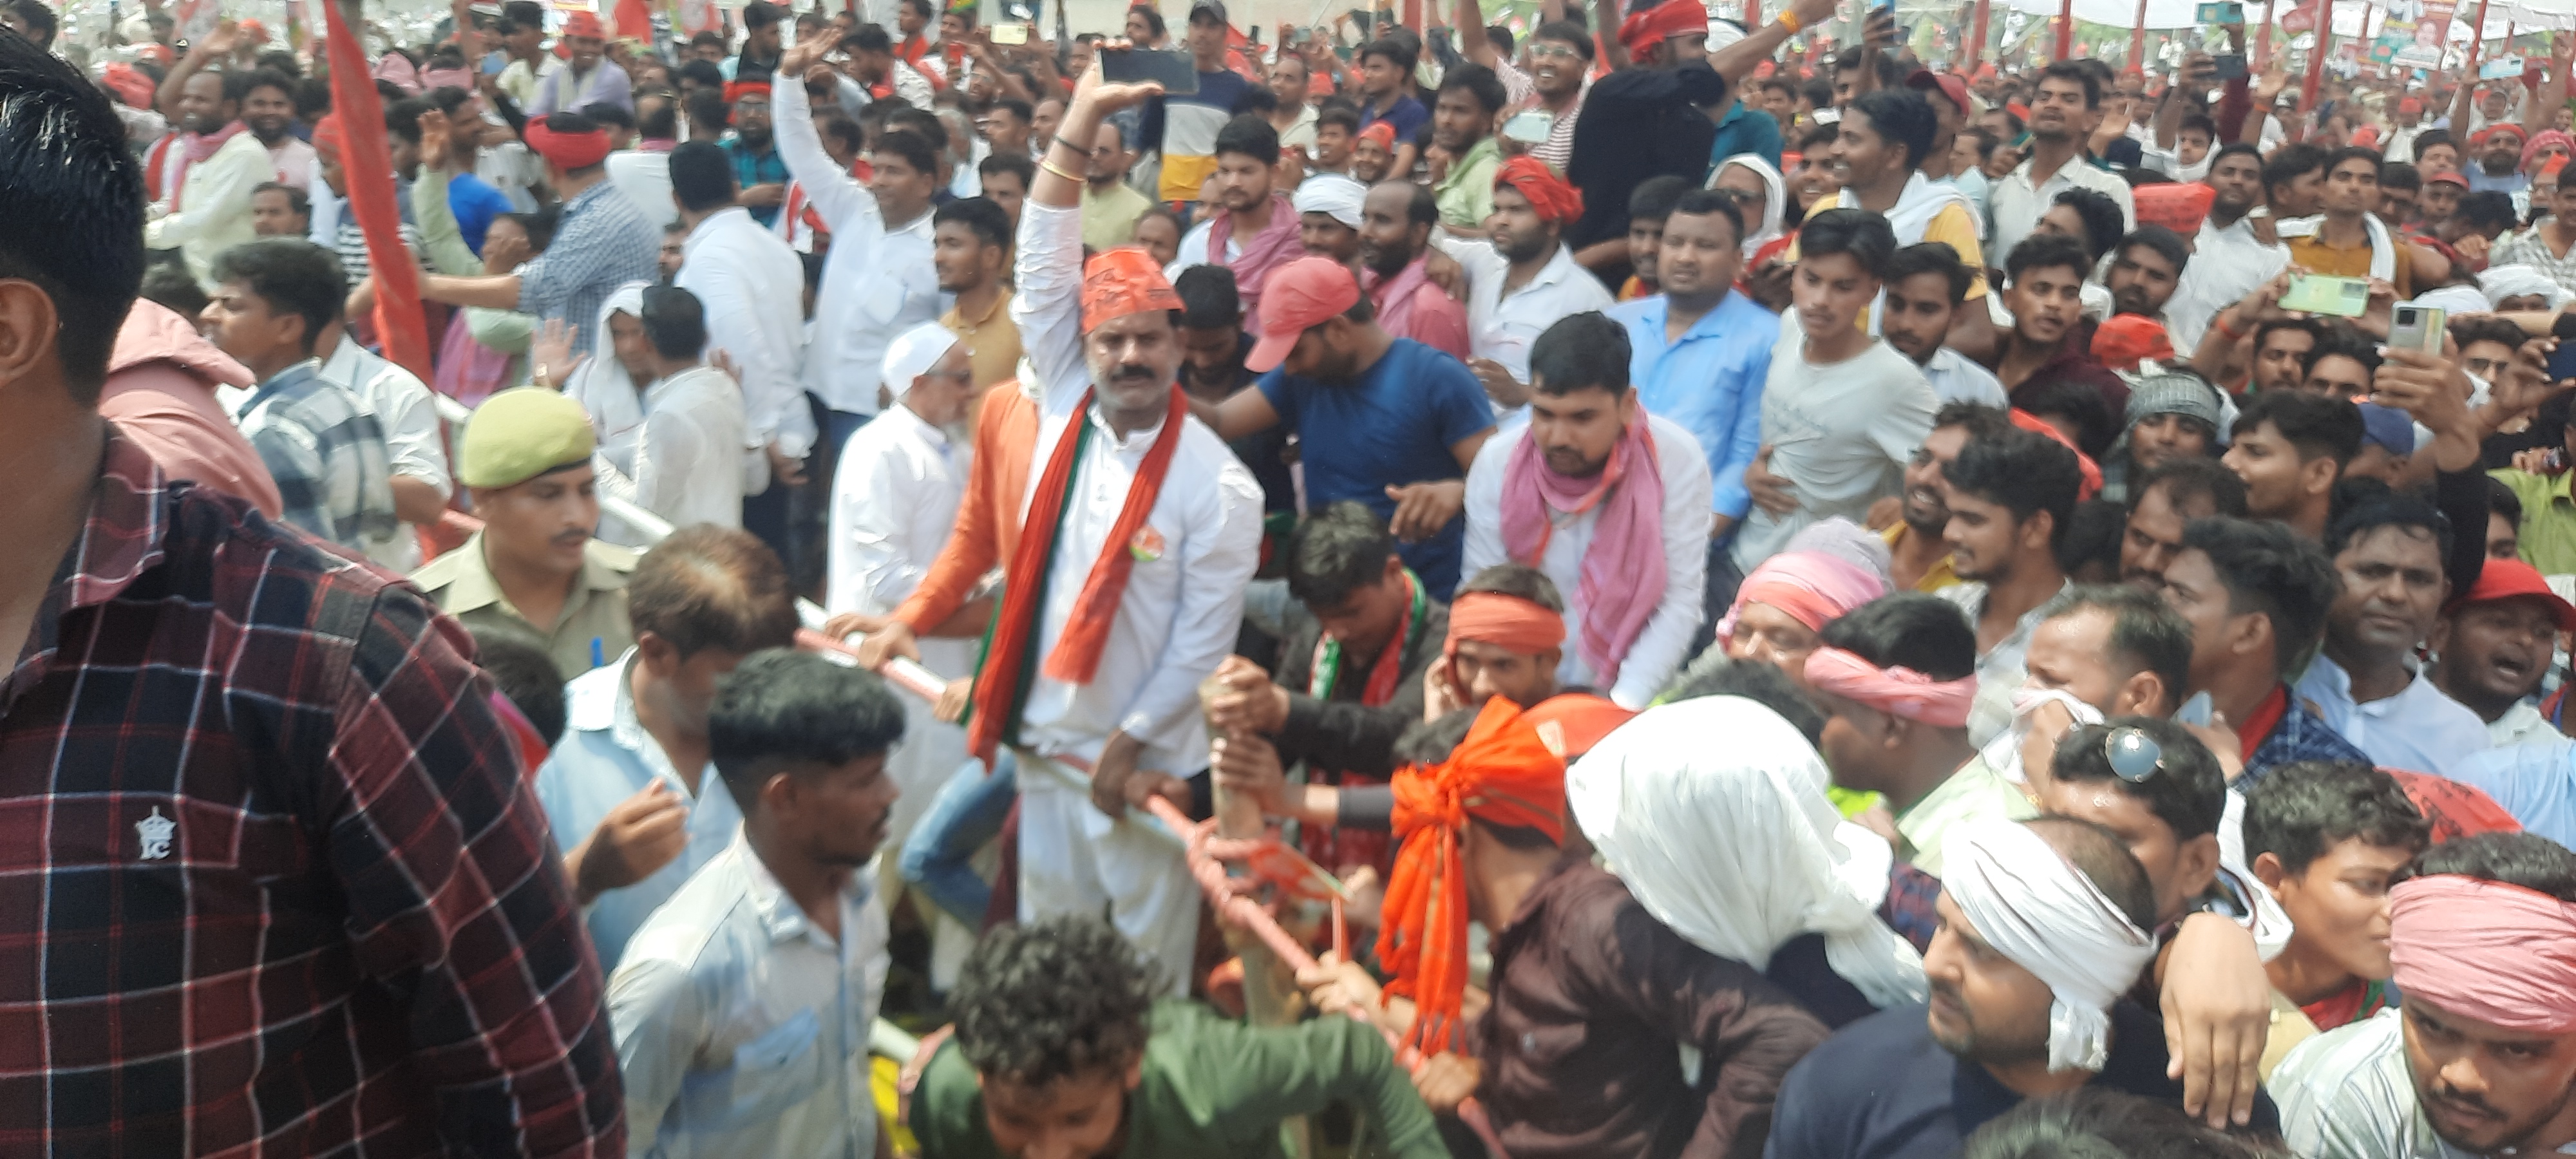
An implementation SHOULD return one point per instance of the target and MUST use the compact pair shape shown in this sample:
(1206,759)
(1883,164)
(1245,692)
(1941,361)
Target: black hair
(300,203)
(521,670)
(2104,859)
(2187,479)
(1655,197)
(1519,580)
(2233,148)
(712,587)
(1017,108)
(2166,243)
(2102,219)
(74,223)
(2400,175)
(1336,551)
(1016,164)
(2100,1123)
(981,215)
(675,321)
(662,122)
(2527,860)
(1153,18)
(2200,121)
(540,226)
(1763,684)
(1480,83)
(1907,630)
(2042,251)
(2341,342)
(2067,70)
(1334,111)
(2489,329)
(2096,428)
(867,38)
(1585,351)
(922,123)
(2187,791)
(2025,472)
(1978,419)
(1397,53)
(2374,507)
(1711,202)
(1250,137)
(1568,31)
(2272,571)
(171,286)
(2263,331)
(2502,501)
(930,11)
(2291,162)
(1864,235)
(2429,138)
(291,275)
(1902,117)
(402,118)
(1933,257)
(707,75)
(2485,209)
(1064,997)
(2316,425)
(915,150)
(761,14)
(2300,810)
(2145,631)
(266,78)
(781,708)
(1209,299)
(2336,159)
(702,176)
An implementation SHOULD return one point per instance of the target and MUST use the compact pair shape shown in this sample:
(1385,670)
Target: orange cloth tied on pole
(369,165)
(1502,774)
(1548,194)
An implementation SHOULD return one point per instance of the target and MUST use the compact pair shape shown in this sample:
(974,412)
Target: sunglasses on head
(2132,754)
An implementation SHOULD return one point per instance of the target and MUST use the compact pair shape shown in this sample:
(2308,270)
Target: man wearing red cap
(1126,586)
(586,78)
(1522,277)
(2407,125)
(602,240)
(757,166)
(2495,646)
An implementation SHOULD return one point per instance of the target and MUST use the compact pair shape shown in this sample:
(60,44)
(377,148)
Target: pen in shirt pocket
(598,652)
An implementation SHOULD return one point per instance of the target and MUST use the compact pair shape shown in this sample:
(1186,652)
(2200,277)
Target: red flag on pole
(370,169)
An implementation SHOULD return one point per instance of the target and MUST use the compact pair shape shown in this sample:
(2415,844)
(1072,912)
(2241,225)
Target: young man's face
(541,524)
(1072,1117)
(960,258)
(1211,354)
(2179,869)
(2045,301)
(2300,196)
(674,252)
(2238,180)
(1927,494)
(1916,319)
(1367,618)
(1985,540)
(202,107)
(1699,255)
(1459,120)
(2352,187)
(2485,1089)
(242,324)
(2190,145)
(1369,160)
(2338,376)
(2276,361)
(2059,110)
(2397,205)
(1242,181)
(272,215)
(1288,81)
(2275,479)
(1322,233)
(1486,670)
(1866,156)
(1985,1007)
(2392,589)
(2160,439)
(1556,67)
(2142,281)
(1830,292)
(269,111)
(1645,247)
(1379,75)
(2338,906)
(2497,650)
(1332,147)
(1518,231)
(1575,431)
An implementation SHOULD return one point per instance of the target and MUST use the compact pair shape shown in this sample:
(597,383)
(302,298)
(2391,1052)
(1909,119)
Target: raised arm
(1470,35)
(1737,61)
(1047,306)
(217,45)
(832,191)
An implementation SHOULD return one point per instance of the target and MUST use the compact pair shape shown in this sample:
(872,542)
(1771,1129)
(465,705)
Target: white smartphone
(2412,327)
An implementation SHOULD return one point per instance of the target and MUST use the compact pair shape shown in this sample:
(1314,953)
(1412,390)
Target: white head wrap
(1334,194)
(1774,202)
(2048,918)
(1734,845)
(602,386)
(2516,281)
(913,353)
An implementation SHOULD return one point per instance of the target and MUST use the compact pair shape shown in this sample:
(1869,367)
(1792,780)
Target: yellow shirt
(2312,254)
(992,341)
(1109,219)
(1940,575)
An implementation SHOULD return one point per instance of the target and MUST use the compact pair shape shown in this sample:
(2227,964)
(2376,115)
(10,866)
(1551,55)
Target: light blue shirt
(1709,382)
(2420,729)
(604,758)
(2535,781)
(742,1027)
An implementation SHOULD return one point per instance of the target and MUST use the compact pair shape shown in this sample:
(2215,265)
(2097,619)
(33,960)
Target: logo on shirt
(156,831)
(1147,544)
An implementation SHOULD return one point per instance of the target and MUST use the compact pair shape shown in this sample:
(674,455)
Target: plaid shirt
(327,452)
(766,167)
(602,242)
(2300,736)
(276,883)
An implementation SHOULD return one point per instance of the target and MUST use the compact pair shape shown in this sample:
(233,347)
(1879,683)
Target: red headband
(567,150)
(1653,26)
(1896,691)
(1548,194)
(1382,133)
(326,135)
(1122,281)
(1508,622)
(2484,950)
(738,89)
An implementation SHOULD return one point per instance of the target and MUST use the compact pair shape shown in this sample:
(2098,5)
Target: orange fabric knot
(1122,281)
(1548,194)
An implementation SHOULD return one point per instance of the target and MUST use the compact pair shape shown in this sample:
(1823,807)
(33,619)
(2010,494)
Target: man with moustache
(2164,501)
(2496,645)
(1396,219)
(2229,259)
(1919,556)
(207,210)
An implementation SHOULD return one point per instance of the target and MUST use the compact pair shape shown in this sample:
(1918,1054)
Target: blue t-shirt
(1746,131)
(475,203)
(1392,427)
(1406,116)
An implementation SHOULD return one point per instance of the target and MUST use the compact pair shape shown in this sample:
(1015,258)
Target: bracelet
(2218,322)
(1790,21)
(1050,166)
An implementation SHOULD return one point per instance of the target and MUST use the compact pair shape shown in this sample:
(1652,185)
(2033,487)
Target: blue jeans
(968,812)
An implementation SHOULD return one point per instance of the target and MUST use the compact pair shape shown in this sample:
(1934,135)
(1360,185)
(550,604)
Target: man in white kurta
(687,464)
(753,289)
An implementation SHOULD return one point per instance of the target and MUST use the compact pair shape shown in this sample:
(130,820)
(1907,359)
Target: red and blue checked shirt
(272,882)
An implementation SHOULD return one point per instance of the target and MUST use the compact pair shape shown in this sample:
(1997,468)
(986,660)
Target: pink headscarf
(1273,247)
(2543,139)
(2497,953)
(395,67)
(1896,691)
(1811,586)
(1623,568)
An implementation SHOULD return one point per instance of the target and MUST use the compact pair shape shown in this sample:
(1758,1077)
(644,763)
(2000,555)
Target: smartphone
(2195,710)
(2501,67)
(1010,33)
(2228,66)
(1173,69)
(2340,297)
(2415,328)
(2562,361)
(494,62)
(2222,12)
(1530,127)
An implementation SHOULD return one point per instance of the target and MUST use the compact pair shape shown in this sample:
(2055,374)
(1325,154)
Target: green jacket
(1212,1087)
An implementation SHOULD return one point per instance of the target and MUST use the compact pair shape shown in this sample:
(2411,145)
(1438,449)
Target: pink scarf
(1394,296)
(467,370)
(193,149)
(1623,569)
(1276,243)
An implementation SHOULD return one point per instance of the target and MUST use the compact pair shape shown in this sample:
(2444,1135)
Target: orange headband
(1548,194)
(1123,281)
(1508,622)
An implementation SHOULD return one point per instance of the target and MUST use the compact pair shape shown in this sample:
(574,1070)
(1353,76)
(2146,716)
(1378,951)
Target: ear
(29,332)
(2317,476)
(2138,693)
(2038,530)
(660,657)
(2250,632)
(2196,863)
(2269,870)
(2440,637)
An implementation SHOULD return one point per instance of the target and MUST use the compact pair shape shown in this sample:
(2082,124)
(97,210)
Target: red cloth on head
(129,84)
(327,137)
(735,90)
(1508,622)
(567,150)
(584,25)
(1502,774)
(2175,205)
(1122,281)
(2483,950)
(1548,194)
(1382,133)
(2092,471)
(2126,339)
(1644,30)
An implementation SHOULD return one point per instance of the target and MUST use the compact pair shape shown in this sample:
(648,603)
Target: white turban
(1734,846)
(2044,915)
(1334,194)
(913,353)
(2516,281)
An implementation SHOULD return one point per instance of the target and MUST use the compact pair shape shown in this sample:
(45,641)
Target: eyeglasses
(1553,52)
(2132,754)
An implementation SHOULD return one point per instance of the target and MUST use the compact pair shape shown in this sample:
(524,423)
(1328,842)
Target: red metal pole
(2317,58)
(2065,29)
(2138,39)
(1977,36)
(2263,40)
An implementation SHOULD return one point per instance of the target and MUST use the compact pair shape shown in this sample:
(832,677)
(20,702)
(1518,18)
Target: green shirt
(2548,528)
(1974,793)
(590,631)
(1212,1088)
(1466,194)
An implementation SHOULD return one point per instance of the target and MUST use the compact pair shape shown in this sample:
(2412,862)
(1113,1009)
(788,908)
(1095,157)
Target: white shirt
(605,757)
(1503,326)
(2349,1093)
(2226,264)
(1198,248)
(877,281)
(753,288)
(742,1028)
(1661,645)
(1957,378)
(688,456)
(1178,615)
(1841,433)
(2519,724)
(415,441)
(645,179)
(2016,204)
(2421,729)
(214,205)
(2002,669)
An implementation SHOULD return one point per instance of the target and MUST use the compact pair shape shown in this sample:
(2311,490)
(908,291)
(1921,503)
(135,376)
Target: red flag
(370,170)
(632,20)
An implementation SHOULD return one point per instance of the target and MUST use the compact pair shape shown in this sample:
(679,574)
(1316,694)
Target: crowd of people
(1744,594)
